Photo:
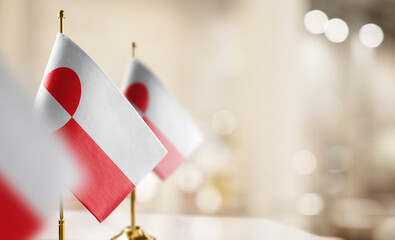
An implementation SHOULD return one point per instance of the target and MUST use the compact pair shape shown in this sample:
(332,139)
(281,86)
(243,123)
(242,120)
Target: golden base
(137,234)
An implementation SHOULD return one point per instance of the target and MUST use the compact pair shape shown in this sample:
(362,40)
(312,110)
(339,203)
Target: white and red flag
(164,115)
(115,148)
(34,168)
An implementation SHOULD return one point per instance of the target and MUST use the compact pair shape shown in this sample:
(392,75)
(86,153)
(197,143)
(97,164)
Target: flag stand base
(133,232)
(137,234)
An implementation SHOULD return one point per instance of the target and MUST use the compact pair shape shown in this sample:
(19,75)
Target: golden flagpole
(134,49)
(61,221)
(133,232)
(61,16)
(133,210)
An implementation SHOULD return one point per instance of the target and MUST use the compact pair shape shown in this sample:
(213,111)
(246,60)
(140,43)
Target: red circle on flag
(65,86)
(138,95)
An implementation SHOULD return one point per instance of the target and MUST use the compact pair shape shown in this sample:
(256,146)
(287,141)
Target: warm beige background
(286,89)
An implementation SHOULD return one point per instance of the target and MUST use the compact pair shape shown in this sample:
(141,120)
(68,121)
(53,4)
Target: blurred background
(297,106)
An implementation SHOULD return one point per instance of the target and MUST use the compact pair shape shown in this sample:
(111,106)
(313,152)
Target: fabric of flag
(34,168)
(164,115)
(114,146)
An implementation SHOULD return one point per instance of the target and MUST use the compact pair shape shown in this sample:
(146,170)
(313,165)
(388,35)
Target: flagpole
(133,232)
(61,221)
(134,49)
(133,194)
(61,16)
(133,210)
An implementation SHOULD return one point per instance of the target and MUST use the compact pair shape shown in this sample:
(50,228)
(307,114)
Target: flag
(115,148)
(164,115)
(34,168)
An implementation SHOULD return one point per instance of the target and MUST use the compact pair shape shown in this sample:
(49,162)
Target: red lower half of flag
(104,186)
(172,160)
(17,220)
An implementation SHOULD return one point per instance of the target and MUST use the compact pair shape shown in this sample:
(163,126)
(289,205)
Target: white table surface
(81,225)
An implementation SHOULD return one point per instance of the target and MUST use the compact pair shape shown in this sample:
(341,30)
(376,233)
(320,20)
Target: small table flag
(164,115)
(114,147)
(35,168)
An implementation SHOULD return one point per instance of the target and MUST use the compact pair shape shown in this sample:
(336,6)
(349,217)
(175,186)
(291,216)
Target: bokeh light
(223,122)
(304,162)
(310,204)
(371,35)
(188,178)
(209,199)
(336,30)
(212,155)
(315,21)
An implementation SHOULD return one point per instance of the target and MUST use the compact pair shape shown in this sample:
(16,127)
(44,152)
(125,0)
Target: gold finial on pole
(134,49)
(61,16)
(61,221)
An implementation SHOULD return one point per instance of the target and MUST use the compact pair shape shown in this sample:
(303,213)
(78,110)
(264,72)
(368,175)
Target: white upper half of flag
(36,165)
(103,112)
(164,110)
